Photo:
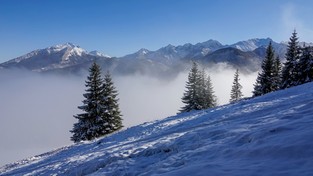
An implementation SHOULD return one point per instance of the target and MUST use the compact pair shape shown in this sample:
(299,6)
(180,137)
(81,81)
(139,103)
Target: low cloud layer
(37,110)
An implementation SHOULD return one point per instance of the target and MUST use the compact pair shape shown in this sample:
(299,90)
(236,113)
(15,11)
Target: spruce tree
(199,92)
(84,128)
(202,95)
(110,104)
(290,70)
(101,113)
(265,80)
(305,65)
(210,98)
(277,74)
(236,93)
(192,94)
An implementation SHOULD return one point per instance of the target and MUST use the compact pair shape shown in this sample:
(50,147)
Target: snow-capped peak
(60,47)
(143,51)
(71,50)
(97,53)
(251,44)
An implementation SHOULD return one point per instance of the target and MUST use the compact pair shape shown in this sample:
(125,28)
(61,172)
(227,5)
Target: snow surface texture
(268,135)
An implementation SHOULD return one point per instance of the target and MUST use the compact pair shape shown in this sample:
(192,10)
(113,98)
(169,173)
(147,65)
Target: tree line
(296,70)
(199,93)
(101,115)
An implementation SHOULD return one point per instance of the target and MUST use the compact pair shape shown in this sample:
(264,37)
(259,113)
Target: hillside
(268,135)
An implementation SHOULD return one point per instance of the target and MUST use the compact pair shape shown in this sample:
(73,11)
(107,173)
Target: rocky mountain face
(168,60)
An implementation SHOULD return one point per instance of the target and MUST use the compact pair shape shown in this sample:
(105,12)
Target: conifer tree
(236,93)
(191,95)
(277,74)
(211,100)
(290,70)
(202,95)
(101,113)
(199,91)
(84,128)
(305,65)
(110,104)
(265,80)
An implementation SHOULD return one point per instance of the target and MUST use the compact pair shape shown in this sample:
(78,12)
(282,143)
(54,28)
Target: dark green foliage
(101,114)
(290,70)
(191,96)
(199,91)
(210,98)
(265,82)
(277,74)
(110,103)
(236,93)
(305,65)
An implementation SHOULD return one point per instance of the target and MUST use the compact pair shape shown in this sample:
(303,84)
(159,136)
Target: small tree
(264,83)
(236,93)
(211,100)
(290,70)
(101,114)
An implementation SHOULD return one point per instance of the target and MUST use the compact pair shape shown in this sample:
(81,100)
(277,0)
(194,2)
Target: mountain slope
(268,135)
(251,44)
(245,61)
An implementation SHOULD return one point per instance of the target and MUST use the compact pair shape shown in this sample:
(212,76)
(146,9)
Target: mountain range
(169,60)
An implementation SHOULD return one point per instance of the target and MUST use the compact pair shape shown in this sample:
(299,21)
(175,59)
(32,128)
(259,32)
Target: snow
(26,56)
(71,50)
(97,53)
(267,135)
(142,51)
(251,44)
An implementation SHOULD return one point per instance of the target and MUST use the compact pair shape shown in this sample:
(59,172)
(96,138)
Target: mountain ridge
(68,57)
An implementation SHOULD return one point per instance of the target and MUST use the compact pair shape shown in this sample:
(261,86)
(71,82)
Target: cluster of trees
(101,110)
(298,68)
(269,79)
(199,91)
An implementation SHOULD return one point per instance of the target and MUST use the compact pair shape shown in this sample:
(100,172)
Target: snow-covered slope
(251,44)
(97,53)
(256,44)
(268,135)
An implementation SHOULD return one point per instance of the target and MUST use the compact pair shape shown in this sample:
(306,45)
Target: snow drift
(268,135)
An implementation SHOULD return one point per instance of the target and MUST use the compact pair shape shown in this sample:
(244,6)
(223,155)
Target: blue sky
(119,27)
